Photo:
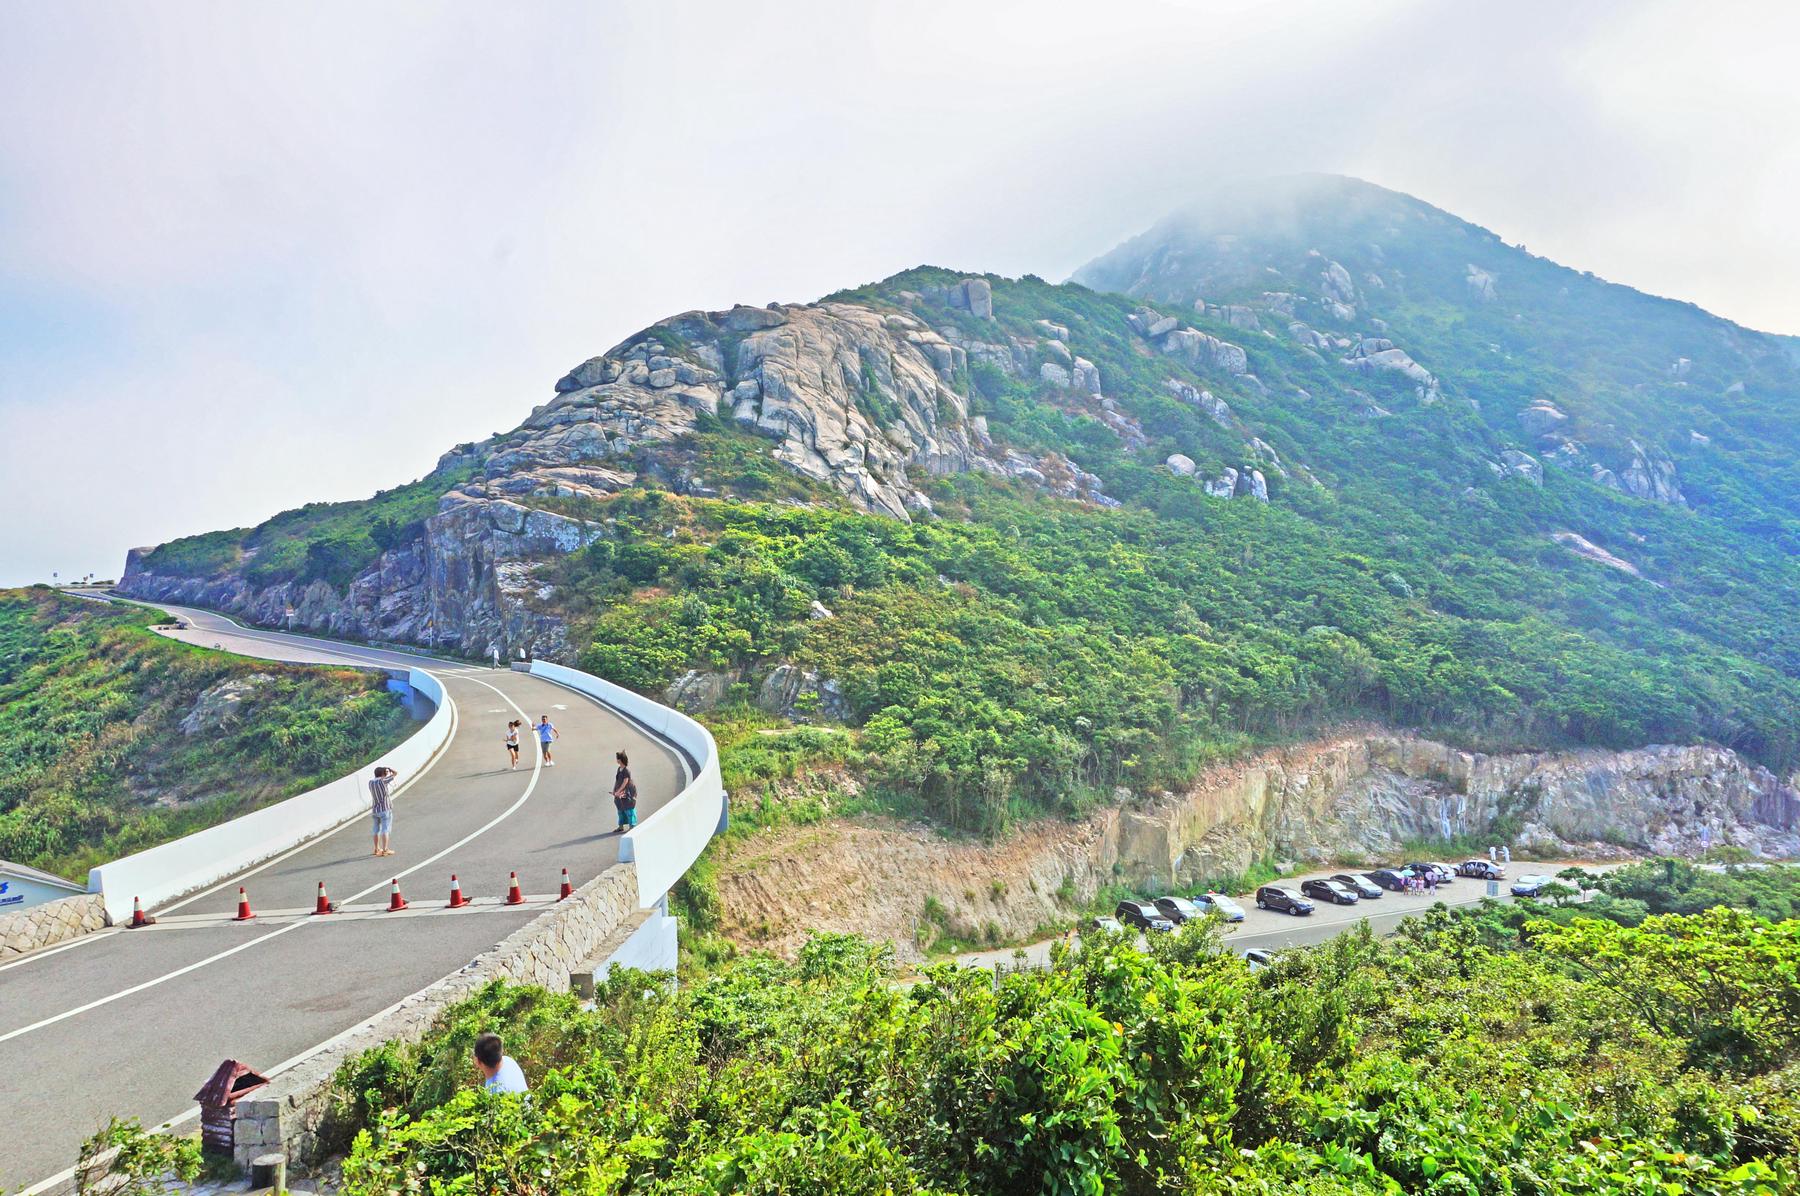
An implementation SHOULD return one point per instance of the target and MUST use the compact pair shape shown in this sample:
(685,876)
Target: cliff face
(859,399)
(1353,799)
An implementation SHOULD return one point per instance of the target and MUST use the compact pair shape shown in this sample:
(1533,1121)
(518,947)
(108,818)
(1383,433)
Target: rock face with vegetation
(114,739)
(1317,452)
(1346,797)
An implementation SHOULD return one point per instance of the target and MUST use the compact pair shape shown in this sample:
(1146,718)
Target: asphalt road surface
(1270,931)
(132,1022)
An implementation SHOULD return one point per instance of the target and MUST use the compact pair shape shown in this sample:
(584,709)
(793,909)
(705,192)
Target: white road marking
(455,725)
(536,772)
(47,952)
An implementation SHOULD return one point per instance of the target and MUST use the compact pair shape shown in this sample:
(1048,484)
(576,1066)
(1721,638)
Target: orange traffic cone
(395,900)
(323,905)
(567,888)
(513,896)
(457,900)
(243,914)
(138,916)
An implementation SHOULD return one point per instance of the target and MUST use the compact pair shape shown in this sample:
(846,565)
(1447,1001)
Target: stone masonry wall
(288,1113)
(51,923)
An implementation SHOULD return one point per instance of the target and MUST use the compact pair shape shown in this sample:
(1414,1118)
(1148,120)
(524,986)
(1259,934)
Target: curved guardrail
(668,842)
(206,857)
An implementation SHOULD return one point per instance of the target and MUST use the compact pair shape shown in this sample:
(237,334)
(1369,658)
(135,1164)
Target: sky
(253,256)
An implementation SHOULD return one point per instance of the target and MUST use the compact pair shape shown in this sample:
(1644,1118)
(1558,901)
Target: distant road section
(131,1022)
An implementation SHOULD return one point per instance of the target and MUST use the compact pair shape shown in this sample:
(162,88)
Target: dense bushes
(1589,1061)
(93,763)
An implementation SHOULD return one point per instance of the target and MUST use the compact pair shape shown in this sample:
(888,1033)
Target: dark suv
(1142,915)
(1282,901)
(1329,890)
(1388,878)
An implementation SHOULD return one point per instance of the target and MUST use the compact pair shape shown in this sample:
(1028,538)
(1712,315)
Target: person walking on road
(498,1070)
(546,731)
(512,741)
(624,793)
(381,807)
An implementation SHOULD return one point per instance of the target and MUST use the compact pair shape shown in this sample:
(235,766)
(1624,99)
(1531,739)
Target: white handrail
(206,857)
(666,844)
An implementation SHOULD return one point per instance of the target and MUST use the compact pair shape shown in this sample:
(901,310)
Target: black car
(1180,909)
(1441,871)
(1481,870)
(1282,901)
(1392,879)
(1142,915)
(1361,886)
(1329,890)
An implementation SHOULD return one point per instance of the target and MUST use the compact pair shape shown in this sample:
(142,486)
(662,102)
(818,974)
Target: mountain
(1311,453)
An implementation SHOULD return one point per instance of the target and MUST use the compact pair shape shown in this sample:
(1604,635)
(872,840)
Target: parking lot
(1266,930)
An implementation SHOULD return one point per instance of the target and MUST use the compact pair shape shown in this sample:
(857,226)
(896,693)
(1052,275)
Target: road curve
(131,1023)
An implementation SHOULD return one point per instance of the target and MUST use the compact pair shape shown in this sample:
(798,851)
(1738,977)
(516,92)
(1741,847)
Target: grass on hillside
(93,761)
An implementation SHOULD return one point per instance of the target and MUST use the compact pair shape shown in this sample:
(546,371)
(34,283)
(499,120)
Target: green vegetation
(1023,655)
(93,761)
(1577,1057)
(330,542)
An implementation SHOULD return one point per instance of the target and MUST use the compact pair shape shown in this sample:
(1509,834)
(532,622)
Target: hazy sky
(253,255)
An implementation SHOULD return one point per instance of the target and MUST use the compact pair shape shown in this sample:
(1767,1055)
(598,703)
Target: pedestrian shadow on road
(593,838)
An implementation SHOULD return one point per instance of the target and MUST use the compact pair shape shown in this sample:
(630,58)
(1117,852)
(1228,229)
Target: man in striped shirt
(381,808)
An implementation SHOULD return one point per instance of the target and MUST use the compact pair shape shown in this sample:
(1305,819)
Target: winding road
(132,1022)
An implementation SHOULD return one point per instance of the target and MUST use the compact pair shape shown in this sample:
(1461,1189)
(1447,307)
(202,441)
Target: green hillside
(95,761)
(1425,558)
(1497,1050)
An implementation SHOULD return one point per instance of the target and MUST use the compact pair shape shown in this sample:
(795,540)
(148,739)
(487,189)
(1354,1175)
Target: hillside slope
(1040,541)
(113,739)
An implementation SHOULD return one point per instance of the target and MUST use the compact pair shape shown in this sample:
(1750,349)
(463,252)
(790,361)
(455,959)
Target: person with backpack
(624,793)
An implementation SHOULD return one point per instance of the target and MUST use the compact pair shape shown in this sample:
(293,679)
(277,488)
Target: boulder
(1053,374)
(1516,464)
(1651,475)
(1251,483)
(802,695)
(697,692)
(1335,284)
(1058,351)
(1056,332)
(1480,284)
(1160,327)
(1181,465)
(1541,417)
(1225,485)
(1086,376)
(978,297)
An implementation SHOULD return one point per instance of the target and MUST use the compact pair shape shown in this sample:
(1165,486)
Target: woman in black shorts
(512,741)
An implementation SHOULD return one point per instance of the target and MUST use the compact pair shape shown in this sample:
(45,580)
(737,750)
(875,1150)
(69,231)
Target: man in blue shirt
(546,731)
(500,1073)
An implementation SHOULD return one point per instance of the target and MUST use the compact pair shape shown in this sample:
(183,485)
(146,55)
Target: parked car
(1393,879)
(1444,873)
(1111,925)
(1531,886)
(1481,870)
(1179,910)
(1329,890)
(1228,909)
(1282,901)
(1142,915)
(1258,959)
(1362,886)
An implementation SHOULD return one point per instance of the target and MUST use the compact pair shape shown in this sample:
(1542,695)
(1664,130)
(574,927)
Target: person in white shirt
(500,1072)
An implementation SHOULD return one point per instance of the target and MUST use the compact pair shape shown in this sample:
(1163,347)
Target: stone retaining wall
(287,1114)
(51,923)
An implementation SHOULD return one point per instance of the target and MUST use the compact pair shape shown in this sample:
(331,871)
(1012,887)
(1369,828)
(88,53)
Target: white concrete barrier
(668,842)
(206,857)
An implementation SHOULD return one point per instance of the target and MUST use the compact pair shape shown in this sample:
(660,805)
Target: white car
(1228,909)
